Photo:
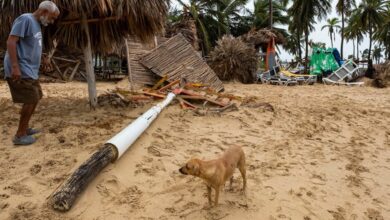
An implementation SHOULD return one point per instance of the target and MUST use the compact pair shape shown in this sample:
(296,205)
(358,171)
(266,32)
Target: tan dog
(217,172)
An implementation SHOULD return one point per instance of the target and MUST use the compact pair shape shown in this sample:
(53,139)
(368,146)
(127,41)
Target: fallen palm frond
(232,59)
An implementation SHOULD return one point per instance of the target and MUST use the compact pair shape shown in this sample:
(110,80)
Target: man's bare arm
(11,48)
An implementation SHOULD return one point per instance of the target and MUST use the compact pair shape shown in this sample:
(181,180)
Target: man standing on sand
(21,65)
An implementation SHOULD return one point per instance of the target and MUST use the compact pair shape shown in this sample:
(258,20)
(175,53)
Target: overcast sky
(320,36)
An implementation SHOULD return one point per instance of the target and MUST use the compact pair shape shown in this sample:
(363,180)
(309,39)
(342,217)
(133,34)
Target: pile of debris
(123,98)
(63,65)
(190,96)
(382,76)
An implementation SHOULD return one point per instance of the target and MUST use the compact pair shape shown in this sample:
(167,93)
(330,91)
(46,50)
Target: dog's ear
(196,168)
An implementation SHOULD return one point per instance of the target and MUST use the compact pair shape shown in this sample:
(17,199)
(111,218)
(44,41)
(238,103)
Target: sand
(322,153)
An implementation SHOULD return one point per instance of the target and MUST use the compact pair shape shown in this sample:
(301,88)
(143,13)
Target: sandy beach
(320,152)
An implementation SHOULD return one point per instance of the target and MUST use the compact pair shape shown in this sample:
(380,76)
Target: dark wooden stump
(64,197)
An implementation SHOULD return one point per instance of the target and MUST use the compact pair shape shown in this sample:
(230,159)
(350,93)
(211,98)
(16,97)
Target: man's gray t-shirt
(29,46)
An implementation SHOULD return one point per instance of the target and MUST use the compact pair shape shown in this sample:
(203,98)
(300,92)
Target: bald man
(21,65)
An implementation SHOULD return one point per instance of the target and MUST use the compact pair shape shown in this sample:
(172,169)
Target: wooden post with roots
(63,199)
(87,51)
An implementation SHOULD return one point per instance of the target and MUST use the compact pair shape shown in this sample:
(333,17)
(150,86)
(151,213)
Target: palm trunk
(307,48)
(342,32)
(89,65)
(357,49)
(370,35)
(331,39)
(270,14)
(299,45)
(353,43)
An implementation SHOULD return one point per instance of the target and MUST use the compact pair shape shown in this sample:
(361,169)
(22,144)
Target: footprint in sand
(113,191)
(373,214)
(19,189)
(270,191)
(318,179)
(35,169)
(25,210)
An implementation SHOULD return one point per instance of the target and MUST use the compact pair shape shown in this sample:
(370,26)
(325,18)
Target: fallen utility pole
(63,198)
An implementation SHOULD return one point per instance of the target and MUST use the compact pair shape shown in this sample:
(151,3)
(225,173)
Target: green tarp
(322,60)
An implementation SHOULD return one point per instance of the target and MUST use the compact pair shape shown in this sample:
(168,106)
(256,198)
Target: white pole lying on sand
(124,139)
(63,198)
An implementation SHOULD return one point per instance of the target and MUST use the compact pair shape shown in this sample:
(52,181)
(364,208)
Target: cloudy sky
(321,36)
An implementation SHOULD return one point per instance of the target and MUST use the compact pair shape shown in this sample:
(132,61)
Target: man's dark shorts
(27,91)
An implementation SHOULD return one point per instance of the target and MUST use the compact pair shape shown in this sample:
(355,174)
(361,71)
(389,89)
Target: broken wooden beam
(160,96)
(160,82)
(197,97)
(185,104)
(169,85)
(74,71)
(57,69)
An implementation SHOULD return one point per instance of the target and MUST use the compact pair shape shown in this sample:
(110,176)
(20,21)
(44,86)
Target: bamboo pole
(89,65)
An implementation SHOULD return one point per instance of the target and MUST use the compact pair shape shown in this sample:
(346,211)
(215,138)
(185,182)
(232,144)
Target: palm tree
(383,33)
(332,27)
(344,8)
(296,36)
(371,13)
(354,32)
(199,10)
(227,10)
(305,13)
(377,53)
(261,13)
(294,45)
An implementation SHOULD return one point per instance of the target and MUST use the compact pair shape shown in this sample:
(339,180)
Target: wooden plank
(57,69)
(169,85)
(74,71)
(160,96)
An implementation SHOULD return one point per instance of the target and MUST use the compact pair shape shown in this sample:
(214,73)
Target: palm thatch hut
(95,26)
(233,59)
(260,38)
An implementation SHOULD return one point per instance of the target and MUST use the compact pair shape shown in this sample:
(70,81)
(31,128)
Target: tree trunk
(342,32)
(331,39)
(370,35)
(64,197)
(357,49)
(353,43)
(299,45)
(270,14)
(307,48)
(89,66)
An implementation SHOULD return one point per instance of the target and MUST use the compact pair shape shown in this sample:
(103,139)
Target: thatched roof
(261,37)
(109,20)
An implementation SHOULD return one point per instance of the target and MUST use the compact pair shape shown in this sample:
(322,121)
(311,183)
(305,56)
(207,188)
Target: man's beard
(44,20)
